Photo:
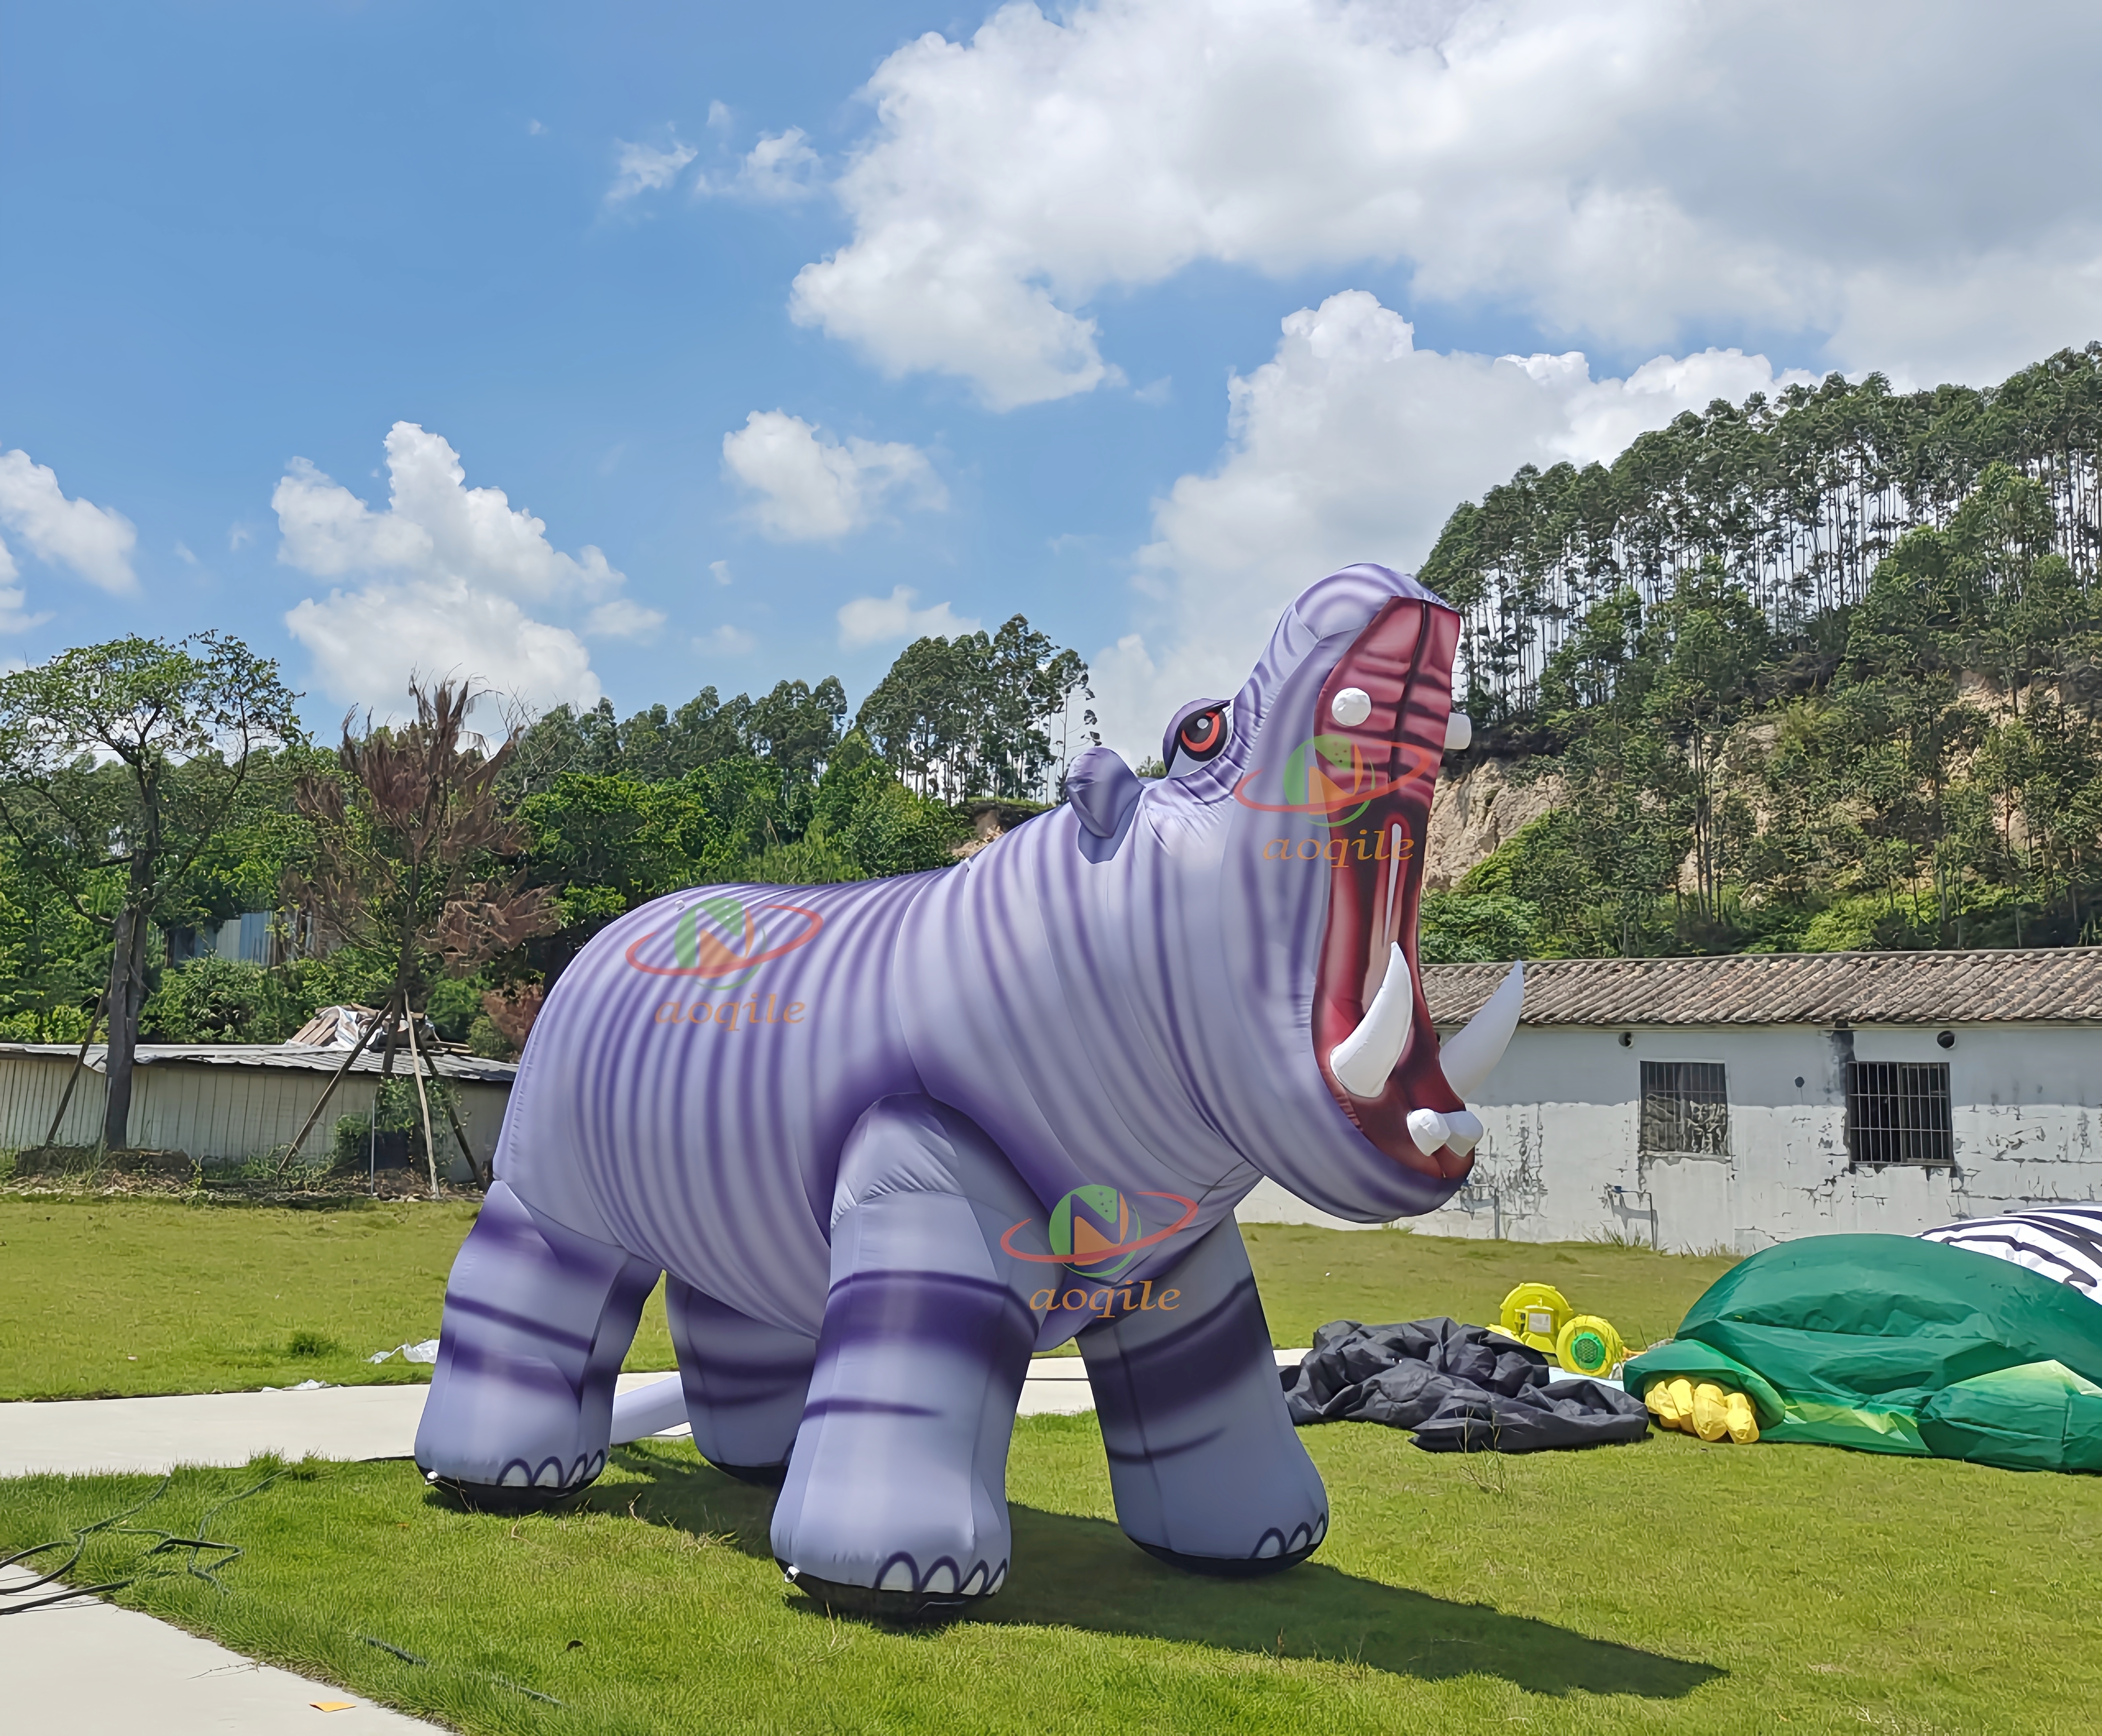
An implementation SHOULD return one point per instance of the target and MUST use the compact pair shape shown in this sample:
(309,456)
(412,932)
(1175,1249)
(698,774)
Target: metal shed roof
(2058,985)
(301,1056)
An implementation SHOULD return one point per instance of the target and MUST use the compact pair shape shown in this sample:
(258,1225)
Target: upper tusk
(1469,1055)
(1459,732)
(1363,1060)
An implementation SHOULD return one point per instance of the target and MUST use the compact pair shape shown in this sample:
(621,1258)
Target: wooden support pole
(313,1115)
(73,1078)
(459,1133)
(424,1102)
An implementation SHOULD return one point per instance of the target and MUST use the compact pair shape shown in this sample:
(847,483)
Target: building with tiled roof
(1729,1103)
(2059,987)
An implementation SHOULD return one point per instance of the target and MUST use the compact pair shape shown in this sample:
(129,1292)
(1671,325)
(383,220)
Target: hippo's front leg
(896,1498)
(1207,1469)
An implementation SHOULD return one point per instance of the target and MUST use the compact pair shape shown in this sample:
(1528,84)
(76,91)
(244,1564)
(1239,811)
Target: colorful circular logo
(1096,1231)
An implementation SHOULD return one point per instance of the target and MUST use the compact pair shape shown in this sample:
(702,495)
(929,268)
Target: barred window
(1685,1108)
(1897,1111)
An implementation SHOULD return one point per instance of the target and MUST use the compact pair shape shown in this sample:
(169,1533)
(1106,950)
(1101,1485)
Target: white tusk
(1470,1055)
(1429,1130)
(1467,1128)
(1459,731)
(1363,1060)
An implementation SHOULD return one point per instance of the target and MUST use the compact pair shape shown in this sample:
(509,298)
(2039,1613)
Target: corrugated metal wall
(217,1113)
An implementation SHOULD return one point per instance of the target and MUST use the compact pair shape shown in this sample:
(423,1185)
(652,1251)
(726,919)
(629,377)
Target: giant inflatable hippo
(887,1138)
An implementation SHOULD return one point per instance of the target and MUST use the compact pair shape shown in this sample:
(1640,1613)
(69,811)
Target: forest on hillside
(1811,673)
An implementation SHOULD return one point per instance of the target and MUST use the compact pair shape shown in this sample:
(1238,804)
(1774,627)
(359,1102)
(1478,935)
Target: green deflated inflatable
(1890,1344)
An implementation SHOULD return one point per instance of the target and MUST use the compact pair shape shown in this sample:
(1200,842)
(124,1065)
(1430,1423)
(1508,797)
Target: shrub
(210,1000)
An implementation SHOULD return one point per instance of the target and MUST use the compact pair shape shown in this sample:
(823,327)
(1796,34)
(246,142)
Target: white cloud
(94,543)
(719,115)
(367,644)
(876,620)
(1351,444)
(643,168)
(721,568)
(183,554)
(238,536)
(13,617)
(534,129)
(623,618)
(778,168)
(434,526)
(1624,170)
(447,568)
(813,488)
(726,641)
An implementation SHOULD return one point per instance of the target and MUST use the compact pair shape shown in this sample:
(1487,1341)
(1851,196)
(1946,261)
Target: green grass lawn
(1662,1586)
(102,1298)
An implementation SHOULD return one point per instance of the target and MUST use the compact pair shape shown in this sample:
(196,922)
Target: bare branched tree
(412,841)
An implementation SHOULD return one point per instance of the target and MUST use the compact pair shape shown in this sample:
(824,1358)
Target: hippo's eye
(1196,734)
(1201,735)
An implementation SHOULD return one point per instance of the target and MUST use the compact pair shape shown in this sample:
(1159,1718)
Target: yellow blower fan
(1588,1345)
(1534,1314)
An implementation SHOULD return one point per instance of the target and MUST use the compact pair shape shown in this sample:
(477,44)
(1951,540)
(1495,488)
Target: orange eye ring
(1202,734)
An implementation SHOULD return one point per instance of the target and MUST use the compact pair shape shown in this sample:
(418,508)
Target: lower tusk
(1466,1130)
(1469,1055)
(1429,1130)
(1363,1060)
(1459,732)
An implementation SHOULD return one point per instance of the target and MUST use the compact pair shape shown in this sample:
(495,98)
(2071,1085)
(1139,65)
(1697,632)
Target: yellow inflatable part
(1588,1345)
(1534,1314)
(1679,1403)
(1711,1411)
(1708,1411)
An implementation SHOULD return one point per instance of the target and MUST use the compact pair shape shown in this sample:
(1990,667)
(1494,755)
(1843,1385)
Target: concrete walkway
(155,1435)
(89,1668)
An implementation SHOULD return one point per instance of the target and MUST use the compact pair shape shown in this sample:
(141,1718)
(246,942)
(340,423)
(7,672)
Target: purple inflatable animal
(887,1138)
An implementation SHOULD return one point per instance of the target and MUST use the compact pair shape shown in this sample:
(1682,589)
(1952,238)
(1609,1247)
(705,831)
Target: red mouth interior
(1404,659)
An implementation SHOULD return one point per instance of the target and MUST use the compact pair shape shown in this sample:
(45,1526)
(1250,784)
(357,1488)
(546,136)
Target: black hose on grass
(79,1540)
(167,1543)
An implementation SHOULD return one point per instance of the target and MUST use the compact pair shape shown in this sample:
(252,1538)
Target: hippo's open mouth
(1369,768)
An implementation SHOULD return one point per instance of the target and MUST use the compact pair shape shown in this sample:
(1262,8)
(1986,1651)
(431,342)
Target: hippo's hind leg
(746,1384)
(1207,1469)
(896,1500)
(537,1320)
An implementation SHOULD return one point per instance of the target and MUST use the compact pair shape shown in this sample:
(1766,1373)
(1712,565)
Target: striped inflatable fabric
(2063,1242)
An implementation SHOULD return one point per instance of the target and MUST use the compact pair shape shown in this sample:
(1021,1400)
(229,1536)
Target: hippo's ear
(1103,791)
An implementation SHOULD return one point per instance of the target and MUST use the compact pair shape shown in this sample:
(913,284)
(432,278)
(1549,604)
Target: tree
(120,762)
(965,716)
(411,842)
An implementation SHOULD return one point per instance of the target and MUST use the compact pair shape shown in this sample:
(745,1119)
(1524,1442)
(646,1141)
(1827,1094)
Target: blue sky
(1037,256)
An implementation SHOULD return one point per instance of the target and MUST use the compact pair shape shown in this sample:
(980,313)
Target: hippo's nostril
(1351,707)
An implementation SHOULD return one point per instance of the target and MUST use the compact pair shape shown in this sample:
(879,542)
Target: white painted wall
(215,1113)
(1558,1161)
